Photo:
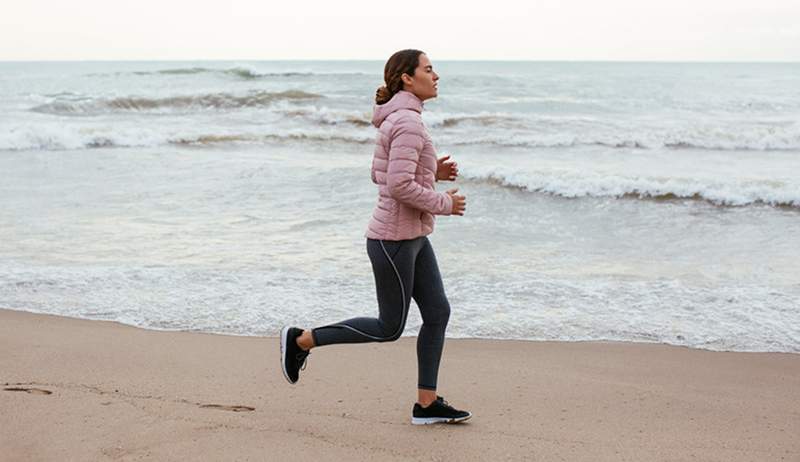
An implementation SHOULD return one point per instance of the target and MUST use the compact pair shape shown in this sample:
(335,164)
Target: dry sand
(92,390)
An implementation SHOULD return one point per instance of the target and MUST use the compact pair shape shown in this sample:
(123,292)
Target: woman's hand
(446,170)
(459,202)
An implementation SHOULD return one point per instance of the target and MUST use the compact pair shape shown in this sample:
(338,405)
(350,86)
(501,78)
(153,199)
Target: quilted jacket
(404,168)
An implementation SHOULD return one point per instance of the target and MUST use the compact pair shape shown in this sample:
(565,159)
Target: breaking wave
(740,142)
(189,102)
(60,138)
(724,192)
(267,138)
(327,116)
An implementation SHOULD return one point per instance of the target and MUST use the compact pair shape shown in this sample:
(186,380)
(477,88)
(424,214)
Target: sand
(93,390)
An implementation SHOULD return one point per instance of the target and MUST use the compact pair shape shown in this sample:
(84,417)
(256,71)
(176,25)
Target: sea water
(648,202)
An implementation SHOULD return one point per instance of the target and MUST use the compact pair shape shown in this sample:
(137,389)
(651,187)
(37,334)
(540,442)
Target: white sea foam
(534,133)
(48,137)
(57,138)
(587,183)
(214,300)
(212,101)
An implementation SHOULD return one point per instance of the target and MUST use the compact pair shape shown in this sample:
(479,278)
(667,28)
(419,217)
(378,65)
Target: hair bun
(382,95)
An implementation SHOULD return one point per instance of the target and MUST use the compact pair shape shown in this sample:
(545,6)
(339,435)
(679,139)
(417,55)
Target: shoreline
(122,392)
(488,339)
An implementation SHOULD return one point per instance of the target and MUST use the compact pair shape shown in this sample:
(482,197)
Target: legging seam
(402,307)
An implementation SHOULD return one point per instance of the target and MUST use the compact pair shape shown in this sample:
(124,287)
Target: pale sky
(627,30)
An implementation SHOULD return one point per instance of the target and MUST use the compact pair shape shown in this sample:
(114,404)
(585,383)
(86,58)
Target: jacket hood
(401,100)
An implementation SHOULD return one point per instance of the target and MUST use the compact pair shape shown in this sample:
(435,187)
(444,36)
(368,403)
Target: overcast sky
(668,30)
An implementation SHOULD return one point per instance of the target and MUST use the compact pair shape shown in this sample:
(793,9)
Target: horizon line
(626,61)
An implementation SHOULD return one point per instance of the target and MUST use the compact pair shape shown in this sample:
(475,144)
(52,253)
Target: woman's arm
(406,144)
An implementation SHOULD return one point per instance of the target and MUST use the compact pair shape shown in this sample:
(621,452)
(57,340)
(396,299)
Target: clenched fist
(459,202)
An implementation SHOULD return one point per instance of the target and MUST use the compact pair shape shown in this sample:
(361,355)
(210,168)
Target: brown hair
(402,62)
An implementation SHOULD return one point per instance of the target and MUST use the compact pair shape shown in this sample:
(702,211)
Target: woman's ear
(406,79)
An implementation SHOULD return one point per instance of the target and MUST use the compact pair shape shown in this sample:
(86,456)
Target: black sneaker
(293,358)
(439,411)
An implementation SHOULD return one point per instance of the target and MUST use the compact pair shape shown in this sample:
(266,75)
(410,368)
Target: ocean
(642,202)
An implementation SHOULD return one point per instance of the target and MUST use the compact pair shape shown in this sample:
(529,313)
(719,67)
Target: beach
(623,283)
(96,390)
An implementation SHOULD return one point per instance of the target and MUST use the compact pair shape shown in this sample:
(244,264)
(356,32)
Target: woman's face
(423,82)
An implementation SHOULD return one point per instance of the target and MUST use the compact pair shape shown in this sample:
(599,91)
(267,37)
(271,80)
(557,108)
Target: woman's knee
(436,314)
(392,337)
(392,330)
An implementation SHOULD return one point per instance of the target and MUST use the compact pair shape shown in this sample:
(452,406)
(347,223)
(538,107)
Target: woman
(404,167)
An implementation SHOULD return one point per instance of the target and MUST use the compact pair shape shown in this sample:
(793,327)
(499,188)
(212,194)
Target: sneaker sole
(284,338)
(435,420)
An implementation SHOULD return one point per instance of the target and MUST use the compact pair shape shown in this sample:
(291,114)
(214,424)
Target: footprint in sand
(222,407)
(33,391)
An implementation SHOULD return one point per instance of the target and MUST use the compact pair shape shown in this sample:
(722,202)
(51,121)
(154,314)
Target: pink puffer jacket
(404,168)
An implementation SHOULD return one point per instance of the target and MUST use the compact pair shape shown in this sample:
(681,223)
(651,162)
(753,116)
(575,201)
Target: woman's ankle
(305,340)
(425,397)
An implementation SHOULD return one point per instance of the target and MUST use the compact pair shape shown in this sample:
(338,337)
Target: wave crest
(481,119)
(326,116)
(208,140)
(178,71)
(241,72)
(62,138)
(754,143)
(142,104)
(733,192)
(251,74)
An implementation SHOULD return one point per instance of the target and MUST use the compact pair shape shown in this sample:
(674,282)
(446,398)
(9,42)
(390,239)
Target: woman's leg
(435,310)
(393,266)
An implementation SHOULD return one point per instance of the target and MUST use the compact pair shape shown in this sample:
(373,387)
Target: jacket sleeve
(404,151)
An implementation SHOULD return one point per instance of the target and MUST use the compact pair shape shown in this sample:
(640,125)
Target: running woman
(404,167)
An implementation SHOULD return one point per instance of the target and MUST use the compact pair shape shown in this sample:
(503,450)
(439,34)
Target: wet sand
(93,390)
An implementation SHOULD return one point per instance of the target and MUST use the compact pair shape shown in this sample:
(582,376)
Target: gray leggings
(403,269)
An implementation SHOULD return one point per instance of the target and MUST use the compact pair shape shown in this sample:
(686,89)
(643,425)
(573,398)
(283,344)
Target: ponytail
(402,62)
